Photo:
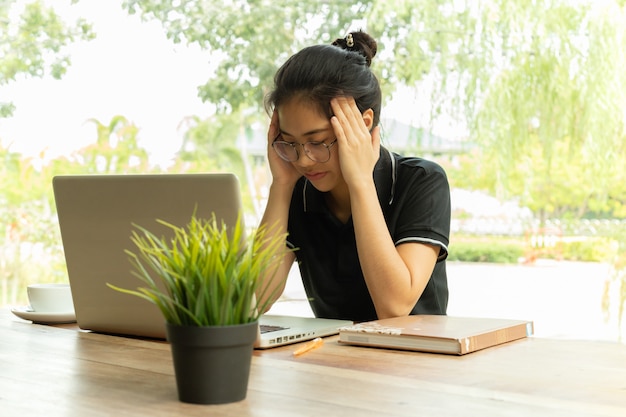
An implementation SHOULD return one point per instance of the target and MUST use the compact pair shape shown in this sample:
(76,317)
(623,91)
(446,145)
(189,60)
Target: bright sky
(130,69)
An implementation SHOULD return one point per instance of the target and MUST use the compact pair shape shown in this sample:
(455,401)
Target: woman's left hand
(358,147)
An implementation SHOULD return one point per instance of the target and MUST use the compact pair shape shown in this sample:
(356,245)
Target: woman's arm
(395,276)
(276,216)
(275,219)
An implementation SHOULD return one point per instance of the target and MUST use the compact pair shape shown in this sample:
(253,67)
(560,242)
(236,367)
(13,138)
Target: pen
(313,344)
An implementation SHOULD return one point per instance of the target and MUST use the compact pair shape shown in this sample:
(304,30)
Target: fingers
(376,139)
(348,121)
(274,128)
(345,110)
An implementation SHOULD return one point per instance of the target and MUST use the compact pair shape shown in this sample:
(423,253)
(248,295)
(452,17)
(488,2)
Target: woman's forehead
(301,118)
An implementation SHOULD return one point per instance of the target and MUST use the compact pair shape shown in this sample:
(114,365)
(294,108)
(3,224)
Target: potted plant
(204,279)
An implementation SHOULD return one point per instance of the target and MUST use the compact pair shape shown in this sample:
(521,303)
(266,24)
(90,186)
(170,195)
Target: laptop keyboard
(267,328)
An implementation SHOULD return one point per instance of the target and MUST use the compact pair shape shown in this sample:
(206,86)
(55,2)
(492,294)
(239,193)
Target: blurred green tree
(115,150)
(523,80)
(34,39)
(30,241)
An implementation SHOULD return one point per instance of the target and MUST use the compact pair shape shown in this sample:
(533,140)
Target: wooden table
(60,371)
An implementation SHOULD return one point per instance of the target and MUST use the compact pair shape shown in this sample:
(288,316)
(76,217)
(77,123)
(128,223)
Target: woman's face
(301,122)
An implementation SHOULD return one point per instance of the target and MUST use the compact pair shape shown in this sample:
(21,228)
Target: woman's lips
(314,176)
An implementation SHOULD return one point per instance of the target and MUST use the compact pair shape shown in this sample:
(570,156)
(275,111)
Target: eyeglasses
(315,151)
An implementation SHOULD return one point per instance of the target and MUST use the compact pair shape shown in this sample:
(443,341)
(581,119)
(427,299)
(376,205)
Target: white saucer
(45,318)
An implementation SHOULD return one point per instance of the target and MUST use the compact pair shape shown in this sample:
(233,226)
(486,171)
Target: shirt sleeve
(421,207)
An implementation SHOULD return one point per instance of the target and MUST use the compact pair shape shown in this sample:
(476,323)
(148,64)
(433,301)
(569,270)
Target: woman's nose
(304,160)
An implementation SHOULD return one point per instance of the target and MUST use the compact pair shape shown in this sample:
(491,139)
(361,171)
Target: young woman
(370,227)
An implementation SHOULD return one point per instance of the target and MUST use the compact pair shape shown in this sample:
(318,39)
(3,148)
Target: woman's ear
(368,118)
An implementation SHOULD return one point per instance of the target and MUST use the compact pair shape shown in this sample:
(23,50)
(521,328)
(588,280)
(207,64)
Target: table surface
(67,372)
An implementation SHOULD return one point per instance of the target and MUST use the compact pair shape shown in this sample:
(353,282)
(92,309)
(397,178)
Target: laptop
(96,213)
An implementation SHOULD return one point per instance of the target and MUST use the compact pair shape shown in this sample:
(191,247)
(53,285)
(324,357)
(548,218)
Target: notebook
(96,213)
(435,333)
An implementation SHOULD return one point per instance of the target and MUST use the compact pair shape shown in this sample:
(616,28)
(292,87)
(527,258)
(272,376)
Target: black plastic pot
(212,364)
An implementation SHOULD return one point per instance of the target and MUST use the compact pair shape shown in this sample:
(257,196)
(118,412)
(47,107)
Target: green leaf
(210,272)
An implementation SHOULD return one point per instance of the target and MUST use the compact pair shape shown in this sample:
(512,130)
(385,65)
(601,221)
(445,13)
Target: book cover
(435,333)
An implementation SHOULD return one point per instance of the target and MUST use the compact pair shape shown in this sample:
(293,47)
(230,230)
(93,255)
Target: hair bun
(359,42)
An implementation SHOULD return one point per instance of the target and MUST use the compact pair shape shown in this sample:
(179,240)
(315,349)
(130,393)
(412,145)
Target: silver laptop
(96,213)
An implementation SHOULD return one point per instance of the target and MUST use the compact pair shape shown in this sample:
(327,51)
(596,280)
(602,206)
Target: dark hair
(321,72)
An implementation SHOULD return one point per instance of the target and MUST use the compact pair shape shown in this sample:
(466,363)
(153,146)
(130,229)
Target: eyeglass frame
(295,145)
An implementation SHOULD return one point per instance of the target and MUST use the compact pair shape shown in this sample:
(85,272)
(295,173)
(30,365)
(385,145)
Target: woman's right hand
(283,172)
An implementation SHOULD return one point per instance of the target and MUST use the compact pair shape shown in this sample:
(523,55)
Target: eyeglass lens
(315,151)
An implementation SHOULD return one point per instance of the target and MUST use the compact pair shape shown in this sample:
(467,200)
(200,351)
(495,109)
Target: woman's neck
(338,202)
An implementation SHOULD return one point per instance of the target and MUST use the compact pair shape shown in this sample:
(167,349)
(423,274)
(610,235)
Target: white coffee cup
(50,298)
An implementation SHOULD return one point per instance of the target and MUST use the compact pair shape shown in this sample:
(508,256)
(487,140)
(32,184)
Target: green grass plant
(210,274)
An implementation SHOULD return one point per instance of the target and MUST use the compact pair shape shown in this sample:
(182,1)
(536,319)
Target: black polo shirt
(415,198)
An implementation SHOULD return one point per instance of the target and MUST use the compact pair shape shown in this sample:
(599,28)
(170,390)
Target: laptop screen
(96,215)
